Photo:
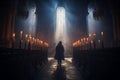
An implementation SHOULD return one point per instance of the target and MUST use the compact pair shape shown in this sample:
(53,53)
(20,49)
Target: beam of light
(32,21)
(93,25)
(61,28)
(60,31)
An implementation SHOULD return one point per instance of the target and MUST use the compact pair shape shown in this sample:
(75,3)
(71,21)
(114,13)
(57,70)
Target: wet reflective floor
(51,71)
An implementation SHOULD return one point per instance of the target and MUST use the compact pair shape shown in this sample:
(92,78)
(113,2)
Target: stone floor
(51,71)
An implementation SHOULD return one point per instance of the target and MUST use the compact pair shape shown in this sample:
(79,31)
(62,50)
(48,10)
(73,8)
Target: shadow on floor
(60,73)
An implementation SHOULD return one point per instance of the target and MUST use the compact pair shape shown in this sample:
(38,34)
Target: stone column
(7,24)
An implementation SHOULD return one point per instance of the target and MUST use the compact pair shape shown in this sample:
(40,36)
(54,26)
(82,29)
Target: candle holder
(26,37)
(13,40)
(94,40)
(89,40)
(99,43)
(102,42)
(21,33)
(29,42)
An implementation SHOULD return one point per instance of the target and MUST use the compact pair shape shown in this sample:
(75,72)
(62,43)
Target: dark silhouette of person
(59,55)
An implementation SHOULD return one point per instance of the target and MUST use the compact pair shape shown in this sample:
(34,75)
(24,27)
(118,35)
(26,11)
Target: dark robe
(59,55)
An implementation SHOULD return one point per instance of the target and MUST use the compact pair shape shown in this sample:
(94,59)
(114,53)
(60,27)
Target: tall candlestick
(94,40)
(21,33)
(29,43)
(102,43)
(13,40)
(102,33)
(89,35)
(26,37)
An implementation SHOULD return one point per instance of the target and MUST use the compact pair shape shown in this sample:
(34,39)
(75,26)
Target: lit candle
(102,33)
(13,40)
(21,32)
(84,39)
(33,39)
(26,36)
(89,35)
(94,35)
(78,42)
(102,39)
(74,44)
(13,36)
(81,40)
(45,44)
(87,39)
(94,41)
(41,42)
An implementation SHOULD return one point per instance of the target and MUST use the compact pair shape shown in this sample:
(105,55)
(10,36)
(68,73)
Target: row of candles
(89,42)
(30,42)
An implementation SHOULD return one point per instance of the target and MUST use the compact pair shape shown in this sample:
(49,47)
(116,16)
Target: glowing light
(89,35)
(32,21)
(50,58)
(102,33)
(69,59)
(21,33)
(26,35)
(60,32)
(13,35)
(93,25)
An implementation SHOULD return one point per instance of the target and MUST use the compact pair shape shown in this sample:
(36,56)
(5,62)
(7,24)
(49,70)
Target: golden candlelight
(102,33)
(84,39)
(30,37)
(21,32)
(45,44)
(89,35)
(73,44)
(41,42)
(33,39)
(13,35)
(78,42)
(94,35)
(81,40)
(26,36)
(13,40)
(87,39)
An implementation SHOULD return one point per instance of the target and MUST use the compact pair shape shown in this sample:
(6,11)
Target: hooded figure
(59,55)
